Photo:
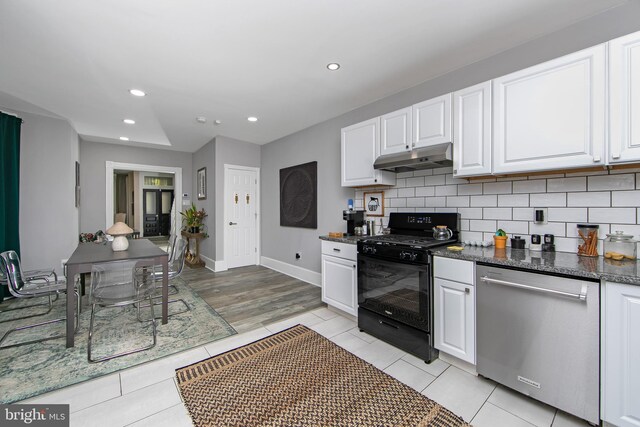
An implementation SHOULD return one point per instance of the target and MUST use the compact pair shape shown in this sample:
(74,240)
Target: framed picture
(77,188)
(374,203)
(299,196)
(202,183)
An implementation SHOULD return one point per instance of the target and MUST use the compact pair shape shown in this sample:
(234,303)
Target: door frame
(227,195)
(111,166)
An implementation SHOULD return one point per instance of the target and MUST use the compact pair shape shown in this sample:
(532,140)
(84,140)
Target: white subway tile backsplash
(471,235)
(532,186)
(435,202)
(572,229)
(434,180)
(464,224)
(523,214)
(470,213)
(514,227)
(469,189)
(401,182)
(589,199)
(398,203)
(561,185)
(567,214)
(425,191)
(613,215)
(443,171)
(451,180)
(447,190)
(458,201)
(423,172)
(406,192)
(415,202)
(415,182)
(567,244)
(390,192)
(406,209)
(514,200)
(483,225)
(555,228)
(404,174)
(497,187)
(611,182)
(546,200)
(632,229)
(484,201)
(497,213)
(446,210)
(625,198)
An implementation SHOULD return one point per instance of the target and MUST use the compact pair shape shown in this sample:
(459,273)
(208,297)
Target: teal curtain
(9,185)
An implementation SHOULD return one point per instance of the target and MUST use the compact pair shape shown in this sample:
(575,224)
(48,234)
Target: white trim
(111,166)
(209,263)
(300,273)
(220,266)
(224,211)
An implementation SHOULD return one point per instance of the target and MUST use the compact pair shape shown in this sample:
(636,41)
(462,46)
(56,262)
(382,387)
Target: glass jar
(589,235)
(620,246)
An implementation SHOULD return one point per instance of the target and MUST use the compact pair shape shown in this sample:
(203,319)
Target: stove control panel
(409,256)
(369,250)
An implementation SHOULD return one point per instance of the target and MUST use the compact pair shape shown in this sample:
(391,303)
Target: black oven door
(396,290)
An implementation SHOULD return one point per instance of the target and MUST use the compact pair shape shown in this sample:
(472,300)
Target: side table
(192,258)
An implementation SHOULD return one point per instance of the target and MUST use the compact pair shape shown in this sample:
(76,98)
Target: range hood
(436,156)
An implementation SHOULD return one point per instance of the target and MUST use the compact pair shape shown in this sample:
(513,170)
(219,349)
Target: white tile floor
(147,395)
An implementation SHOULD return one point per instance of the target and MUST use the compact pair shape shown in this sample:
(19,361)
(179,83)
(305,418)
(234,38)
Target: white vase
(120,243)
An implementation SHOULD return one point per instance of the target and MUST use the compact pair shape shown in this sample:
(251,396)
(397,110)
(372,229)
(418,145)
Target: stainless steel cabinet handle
(582,296)
(233,223)
(336,249)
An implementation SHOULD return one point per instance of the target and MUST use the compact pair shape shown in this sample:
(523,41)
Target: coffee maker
(354,219)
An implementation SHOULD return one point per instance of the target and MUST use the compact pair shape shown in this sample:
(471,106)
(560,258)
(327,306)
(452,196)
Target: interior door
(157,212)
(241,217)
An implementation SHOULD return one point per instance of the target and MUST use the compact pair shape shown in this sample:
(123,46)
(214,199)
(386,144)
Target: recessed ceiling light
(252,119)
(129,121)
(124,138)
(201,119)
(333,66)
(137,92)
(217,122)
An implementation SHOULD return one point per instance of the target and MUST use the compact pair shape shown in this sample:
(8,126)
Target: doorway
(157,212)
(241,213)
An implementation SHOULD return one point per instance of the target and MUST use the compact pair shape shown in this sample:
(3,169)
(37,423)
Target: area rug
(299,378)
(34,369)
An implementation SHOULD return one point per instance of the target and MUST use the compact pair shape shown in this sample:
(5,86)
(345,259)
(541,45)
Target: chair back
(179,251)
(12,272)
(171,246)
(113,282)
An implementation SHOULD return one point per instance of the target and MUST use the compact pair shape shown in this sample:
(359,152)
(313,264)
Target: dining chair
(32,285)
(113,285)
(28,275)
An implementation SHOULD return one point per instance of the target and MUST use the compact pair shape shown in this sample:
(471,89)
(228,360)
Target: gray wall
(230,151)
(322,142)
(48,216)
(93,157)
(205,157)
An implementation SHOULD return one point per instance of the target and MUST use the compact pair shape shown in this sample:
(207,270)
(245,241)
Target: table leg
(165,290)
(72,270)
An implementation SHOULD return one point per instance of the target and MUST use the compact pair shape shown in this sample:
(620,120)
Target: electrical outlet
(298,256)
(540,215)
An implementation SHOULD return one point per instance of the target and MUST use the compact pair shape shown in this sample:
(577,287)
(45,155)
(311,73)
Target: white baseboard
(214,265)
(292,270)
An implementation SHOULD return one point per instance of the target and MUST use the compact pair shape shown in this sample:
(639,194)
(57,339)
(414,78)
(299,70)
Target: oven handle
(582,296)
(382,322)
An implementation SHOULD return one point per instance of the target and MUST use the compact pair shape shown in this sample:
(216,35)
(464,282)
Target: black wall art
(299,196)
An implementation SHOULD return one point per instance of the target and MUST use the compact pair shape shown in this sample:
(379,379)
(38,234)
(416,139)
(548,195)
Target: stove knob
(411,256)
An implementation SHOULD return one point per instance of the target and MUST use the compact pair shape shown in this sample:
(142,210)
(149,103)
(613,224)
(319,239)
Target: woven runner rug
(299,378)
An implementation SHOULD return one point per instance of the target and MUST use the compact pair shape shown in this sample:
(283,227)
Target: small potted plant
(193,218)
(500,239)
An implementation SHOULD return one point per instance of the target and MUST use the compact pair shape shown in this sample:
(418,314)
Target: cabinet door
(621,370)
(360,144)
(552,115)
(472,130)
(339,279)
(432,122)
(454,319)
(624,99)
(395,136)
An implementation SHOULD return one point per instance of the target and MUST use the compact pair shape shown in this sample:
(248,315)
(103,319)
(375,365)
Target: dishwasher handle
(582,296)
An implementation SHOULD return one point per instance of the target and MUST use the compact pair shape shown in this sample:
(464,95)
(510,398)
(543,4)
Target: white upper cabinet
(472,130)
(624,99)
(432,122)
(551,116)
(395,134)
(360,148)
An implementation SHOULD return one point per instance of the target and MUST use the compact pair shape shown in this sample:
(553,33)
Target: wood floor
(254,296)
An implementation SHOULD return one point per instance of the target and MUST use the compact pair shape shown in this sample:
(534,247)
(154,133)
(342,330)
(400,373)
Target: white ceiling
(229,59)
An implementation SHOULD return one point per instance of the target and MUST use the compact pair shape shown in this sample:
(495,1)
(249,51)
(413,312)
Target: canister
(588,234)
(620,246)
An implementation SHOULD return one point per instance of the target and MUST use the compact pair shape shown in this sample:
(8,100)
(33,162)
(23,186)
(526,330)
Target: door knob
(233,223)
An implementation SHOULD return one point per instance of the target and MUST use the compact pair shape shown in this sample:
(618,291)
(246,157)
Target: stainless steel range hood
(437,156)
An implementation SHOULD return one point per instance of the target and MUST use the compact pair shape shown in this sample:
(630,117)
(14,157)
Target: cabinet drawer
(340,250)
(453,269)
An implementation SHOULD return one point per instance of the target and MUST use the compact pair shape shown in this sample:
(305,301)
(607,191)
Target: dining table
(89,254)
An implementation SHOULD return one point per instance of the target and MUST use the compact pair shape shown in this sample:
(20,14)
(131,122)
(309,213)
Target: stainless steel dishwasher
(540,335)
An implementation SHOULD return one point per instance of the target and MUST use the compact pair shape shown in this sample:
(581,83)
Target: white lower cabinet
(340,276)
(455,308)
(621,355)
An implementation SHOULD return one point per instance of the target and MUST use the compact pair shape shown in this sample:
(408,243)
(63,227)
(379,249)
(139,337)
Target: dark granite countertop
(352,240)
(564,263)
